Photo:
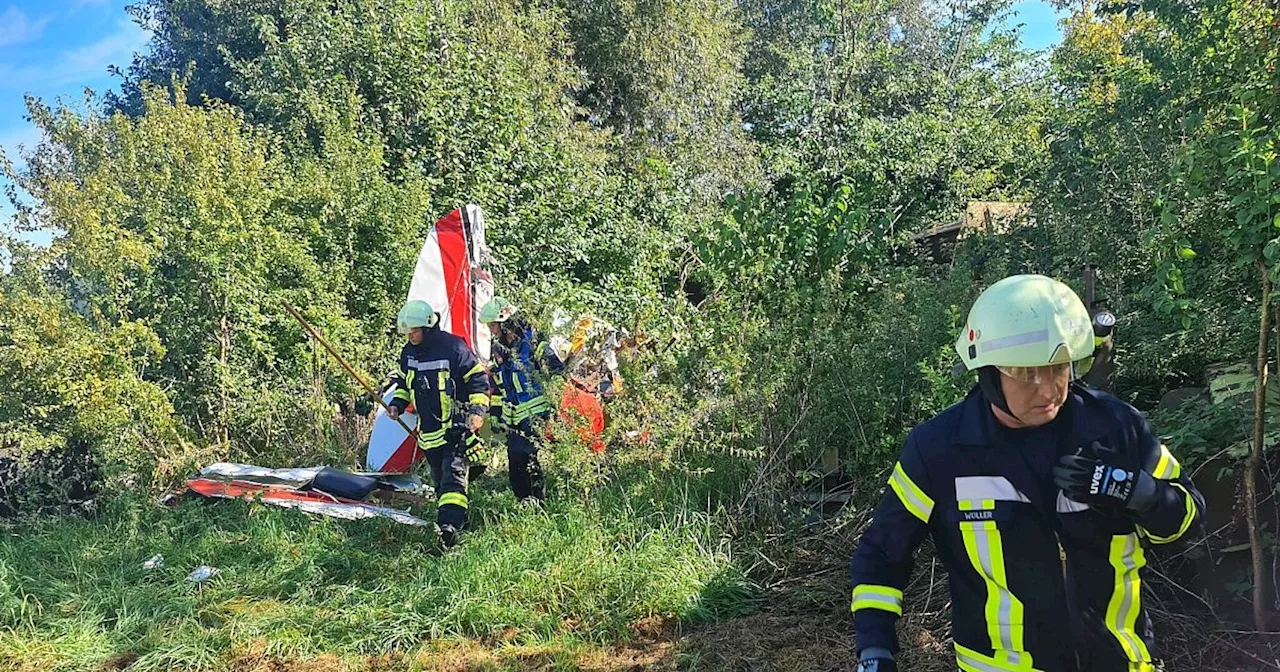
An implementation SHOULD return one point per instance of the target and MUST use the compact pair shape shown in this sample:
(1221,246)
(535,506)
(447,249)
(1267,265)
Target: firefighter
(441,377)
(520,353)
(1041,496)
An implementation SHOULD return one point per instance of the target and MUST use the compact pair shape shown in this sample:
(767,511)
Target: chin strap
(989,381)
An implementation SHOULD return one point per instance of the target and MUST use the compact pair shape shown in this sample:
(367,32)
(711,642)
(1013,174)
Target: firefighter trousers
(522,457)
(449,470)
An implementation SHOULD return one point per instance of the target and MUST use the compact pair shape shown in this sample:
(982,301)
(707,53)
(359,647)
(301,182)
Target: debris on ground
(318,490)
(202,573)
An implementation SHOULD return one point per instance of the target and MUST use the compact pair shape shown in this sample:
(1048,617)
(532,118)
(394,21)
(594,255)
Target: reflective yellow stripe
(885,598)
(431,439)
(456,498)
(516,379)
(1167,468)
(408,383)
(475,371)
(977,504)
(1187,518)
(919,504)
(479,399)
(1004,612)
(442,377)
(534,405)
(1126,599)
(529,409)
(972,661)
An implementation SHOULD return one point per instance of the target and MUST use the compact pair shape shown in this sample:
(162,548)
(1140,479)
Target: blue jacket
(1036,579)
(523,396)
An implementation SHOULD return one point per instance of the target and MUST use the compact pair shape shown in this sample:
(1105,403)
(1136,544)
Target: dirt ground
(779,638)
(770,640)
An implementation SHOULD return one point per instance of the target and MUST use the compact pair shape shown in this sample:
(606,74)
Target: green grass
(74,595)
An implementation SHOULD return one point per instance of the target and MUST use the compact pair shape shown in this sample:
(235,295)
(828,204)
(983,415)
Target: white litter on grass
(201,574)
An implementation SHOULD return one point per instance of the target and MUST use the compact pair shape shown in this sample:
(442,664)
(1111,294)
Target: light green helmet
(416,314)
(497,310)
(1026,321)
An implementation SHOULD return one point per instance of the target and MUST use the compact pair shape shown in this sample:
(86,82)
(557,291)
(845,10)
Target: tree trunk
(1255,458)
(224,345)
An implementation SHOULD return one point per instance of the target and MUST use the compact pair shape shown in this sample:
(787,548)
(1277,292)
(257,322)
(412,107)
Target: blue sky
(1039,21)
(55,49)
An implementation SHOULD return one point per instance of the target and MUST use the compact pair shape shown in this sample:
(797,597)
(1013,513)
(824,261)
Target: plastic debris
(201,574)
(156,562)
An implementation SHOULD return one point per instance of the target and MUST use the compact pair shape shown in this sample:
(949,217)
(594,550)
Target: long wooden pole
(354,374)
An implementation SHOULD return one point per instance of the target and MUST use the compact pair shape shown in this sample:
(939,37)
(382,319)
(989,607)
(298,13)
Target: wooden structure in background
(987,216)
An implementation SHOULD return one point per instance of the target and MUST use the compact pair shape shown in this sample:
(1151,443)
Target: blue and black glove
(1099,476)
(455,434)
(876,660)
(475,448)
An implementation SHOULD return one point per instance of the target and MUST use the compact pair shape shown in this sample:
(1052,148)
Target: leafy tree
(1165,154)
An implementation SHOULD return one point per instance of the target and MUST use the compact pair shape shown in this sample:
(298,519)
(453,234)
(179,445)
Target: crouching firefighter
(444,381)
(520,353)
(1041,496)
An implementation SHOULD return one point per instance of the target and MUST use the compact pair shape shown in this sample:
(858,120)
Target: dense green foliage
(742,181)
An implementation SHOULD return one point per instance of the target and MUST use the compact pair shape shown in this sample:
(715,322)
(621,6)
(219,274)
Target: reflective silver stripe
(881,599)
(912,497)
(1166,466)
(976,488)
(433,365)
(1015,341)
(972,661)
(1004,610)
(1122,613)
(871,596)
(968,663)
(1068,505)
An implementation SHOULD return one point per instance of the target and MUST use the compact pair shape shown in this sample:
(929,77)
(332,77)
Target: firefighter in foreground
(444,381)
(1041,497)
(519,355)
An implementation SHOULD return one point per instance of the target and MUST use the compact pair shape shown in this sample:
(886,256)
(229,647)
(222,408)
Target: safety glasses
(1036,375)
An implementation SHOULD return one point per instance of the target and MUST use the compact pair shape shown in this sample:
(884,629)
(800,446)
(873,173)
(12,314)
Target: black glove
(1099,476)
(455,434)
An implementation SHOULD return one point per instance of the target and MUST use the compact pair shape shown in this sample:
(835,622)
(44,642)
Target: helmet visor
(1036,375)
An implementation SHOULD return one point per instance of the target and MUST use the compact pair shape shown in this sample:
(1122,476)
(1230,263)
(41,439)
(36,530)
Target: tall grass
(74,594)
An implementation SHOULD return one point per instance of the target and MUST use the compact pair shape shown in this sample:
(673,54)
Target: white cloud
(16,28)
(24,137)
(92,59)
(82,65)
(13,142)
